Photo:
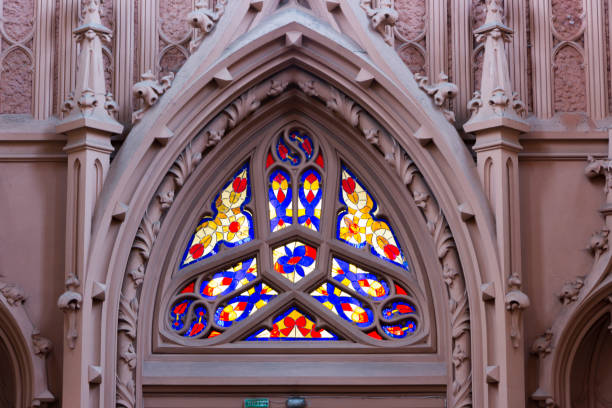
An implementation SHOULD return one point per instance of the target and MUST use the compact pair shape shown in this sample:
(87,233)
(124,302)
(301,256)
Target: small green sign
(257,403)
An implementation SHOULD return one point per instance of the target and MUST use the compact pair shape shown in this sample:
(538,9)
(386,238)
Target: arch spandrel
(137,178)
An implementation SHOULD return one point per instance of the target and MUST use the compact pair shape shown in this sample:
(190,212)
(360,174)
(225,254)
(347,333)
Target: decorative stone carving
(349,111)
(149,91)
(570,291)
(14,294)
(598,244)
(42,345)
(441,92)
(90,95)
(542,346)
(111,105)
(203,20)
(601,167)
(496,101)
(516,302)
(70,303)
(382,17)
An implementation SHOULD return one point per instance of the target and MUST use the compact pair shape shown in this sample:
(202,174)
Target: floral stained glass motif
(231,225)
(310,199)
(359,226)
(294,260)
(404,327)
(178,313)
(361,281)
(244,305)
(280,197)
(229,280)
(292,325)
(198,324)
(343,304)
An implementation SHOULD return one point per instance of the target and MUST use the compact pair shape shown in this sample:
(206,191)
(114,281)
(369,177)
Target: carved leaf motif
(137,275)
(460,318)
(308,87)
(343,107)
(129,356)
(128,314)
(166,199)
(146,235)
(184,165)
(276,87)
(443,237)
(126,393)
(404,167)
(242,107)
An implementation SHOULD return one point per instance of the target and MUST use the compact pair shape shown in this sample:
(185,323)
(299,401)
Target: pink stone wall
(16,76)
(410,33)
(570,81)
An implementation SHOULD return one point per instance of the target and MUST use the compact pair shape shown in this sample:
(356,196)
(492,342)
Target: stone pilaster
(497,122)
(88,124)
(43,60)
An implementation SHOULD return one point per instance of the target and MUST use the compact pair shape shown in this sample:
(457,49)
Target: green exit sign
(257,403)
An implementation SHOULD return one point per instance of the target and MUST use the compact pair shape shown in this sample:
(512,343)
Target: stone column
(497,122)
(88,124)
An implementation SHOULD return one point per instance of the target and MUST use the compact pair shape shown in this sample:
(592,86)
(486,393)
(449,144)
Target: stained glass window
(319,268)
(230,225)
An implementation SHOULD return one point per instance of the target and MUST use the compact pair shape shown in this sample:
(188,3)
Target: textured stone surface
(569,82)
(16,83)
(108,72)
(479,13)
(413,58)
(107,14)
(173,18)
(566,17)
(172,60)
(412,17)
(18,18)
(477,69)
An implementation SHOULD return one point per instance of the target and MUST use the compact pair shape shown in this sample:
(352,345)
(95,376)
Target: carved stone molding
(149,91)
(70,303)
(542,346)
(382,16)
(570,291)
(203,20)
(350,112)
(13,293)
(516,302)
(17,327)
(440,92)
(598,244)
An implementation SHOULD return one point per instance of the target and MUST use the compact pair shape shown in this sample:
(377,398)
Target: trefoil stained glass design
(328,263)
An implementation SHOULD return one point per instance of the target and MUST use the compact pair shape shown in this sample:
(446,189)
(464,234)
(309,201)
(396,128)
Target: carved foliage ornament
(383,17)
(516,302)
(149,90)
(203,20)
(70,303)
(350,112)
(441,92)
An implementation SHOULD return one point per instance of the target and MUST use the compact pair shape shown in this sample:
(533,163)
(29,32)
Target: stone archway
(204,107)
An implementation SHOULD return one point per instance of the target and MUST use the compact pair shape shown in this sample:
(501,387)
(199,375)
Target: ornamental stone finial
(88,104)
(495,104)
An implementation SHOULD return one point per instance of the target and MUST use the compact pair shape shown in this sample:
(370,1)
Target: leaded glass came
(323,265)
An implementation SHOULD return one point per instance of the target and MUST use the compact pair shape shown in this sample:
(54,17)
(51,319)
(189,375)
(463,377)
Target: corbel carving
(70,303)
(441,92)
(42,346)
(14,294)
(570,291)
(542,346)
(598,244)
(601,167)
(203,20)
(149,91)
(516,302)
(382,17)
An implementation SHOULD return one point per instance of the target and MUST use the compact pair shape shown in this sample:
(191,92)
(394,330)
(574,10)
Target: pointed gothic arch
(203,108)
